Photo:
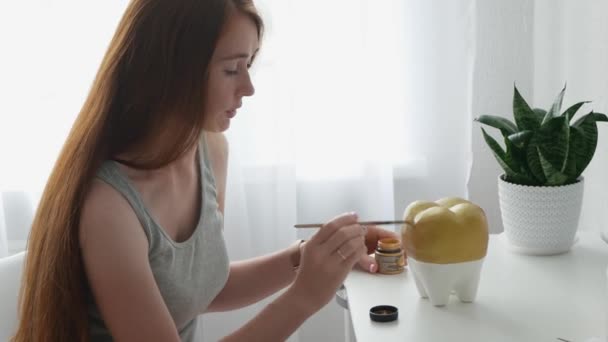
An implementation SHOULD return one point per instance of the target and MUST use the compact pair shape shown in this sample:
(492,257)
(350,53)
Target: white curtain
(50,53)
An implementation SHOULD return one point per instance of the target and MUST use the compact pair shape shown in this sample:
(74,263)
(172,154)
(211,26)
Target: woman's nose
(247,88)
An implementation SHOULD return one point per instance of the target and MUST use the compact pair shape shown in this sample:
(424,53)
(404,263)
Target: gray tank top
(189,274)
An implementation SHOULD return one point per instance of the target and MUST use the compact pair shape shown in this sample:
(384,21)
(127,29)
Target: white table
(520,298)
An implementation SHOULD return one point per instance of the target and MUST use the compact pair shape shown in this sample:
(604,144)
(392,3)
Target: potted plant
(544,156)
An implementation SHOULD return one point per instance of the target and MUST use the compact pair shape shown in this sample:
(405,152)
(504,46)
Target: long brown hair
(151,81)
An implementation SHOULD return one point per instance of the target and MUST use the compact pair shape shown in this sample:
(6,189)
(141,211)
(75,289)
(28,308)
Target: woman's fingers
(328,257)
(353,247)
(375,234)
(354,255)
(328,229)
(342,236)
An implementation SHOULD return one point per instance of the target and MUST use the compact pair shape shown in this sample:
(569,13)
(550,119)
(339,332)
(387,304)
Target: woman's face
(229,79)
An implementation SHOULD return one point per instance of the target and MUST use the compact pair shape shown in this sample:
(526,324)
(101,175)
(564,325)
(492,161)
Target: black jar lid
(383,313)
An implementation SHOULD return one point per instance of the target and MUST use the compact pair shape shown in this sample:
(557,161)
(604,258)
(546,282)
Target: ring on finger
(364,228)
(340,254)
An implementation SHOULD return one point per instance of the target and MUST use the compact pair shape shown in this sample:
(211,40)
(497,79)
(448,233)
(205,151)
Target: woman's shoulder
(217,143)
(104,214)
(218,156)
(217,146)
(114,252)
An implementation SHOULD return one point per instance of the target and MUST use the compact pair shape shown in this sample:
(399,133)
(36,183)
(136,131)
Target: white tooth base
(437,281)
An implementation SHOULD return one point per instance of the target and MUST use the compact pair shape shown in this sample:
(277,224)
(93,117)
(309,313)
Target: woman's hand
(367,262)
(326,260)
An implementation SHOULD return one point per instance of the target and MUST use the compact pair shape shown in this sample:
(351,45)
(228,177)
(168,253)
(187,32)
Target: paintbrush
(367,223)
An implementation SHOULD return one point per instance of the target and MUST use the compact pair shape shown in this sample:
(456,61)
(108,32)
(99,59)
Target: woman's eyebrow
(238,55)
(235,56)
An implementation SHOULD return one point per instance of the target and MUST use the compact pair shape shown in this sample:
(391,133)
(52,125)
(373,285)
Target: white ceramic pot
(438,281)
(540,220)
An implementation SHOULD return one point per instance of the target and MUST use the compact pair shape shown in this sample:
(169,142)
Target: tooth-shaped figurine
(446,242)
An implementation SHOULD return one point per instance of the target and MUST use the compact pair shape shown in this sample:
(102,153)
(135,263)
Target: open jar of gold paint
(389,256)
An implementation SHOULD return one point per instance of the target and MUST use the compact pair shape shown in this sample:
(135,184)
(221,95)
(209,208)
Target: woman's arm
(115,254)
(326,260)
(268,274)
(263,276)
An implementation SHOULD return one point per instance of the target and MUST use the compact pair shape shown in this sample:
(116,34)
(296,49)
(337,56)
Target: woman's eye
(231,72)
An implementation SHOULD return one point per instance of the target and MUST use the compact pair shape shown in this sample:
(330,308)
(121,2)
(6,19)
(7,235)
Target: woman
(127,241)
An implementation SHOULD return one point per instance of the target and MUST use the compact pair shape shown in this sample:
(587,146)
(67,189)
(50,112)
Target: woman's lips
(231,113)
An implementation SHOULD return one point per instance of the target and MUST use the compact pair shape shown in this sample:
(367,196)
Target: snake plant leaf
(579,150)
(540,114)
(553,139)
(592,116)
(520,139)
(513,155)
(504,125)
(556,107)
(587,130)
(543,147)
(525,118)
(508,164)
(501,156)
(517,156)
(553,176)
(569,113)
(533,161)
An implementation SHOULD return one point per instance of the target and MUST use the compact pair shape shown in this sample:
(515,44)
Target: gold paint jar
(389,256)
